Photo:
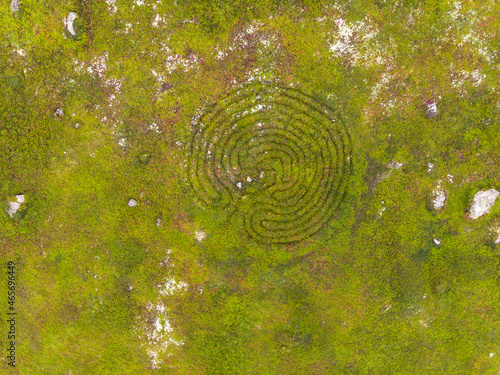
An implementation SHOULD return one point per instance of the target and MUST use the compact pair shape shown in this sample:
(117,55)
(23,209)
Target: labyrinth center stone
(274,154)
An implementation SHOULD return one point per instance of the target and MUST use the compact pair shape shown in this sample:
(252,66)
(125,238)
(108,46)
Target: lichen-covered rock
(200,236)
(14,6)
(73,26)
(68,22)
(432,109)
(482,203)
(439,197)
(15,206)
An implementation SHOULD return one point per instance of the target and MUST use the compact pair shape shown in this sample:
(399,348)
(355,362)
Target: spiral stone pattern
(273,154)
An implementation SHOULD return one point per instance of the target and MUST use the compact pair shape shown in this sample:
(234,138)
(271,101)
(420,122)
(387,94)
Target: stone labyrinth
(274,155)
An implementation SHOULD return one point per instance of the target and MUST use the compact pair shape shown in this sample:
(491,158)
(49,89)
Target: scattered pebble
(437,242)
(132,202)
(382,209)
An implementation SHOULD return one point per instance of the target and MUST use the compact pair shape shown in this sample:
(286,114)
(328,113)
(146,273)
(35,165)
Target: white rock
(432,109)
(437,242)
(132,202)
(200,236)
(482,203)
(430,165)
(14,206)
(439,197)
(14,6)
(68,22)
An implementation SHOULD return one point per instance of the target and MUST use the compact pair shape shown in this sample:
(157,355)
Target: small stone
(482,203)
(432,109)
(15,206)
(68,22)
(14,6)
(200,236)
(437,242)
(59,112)
(439,197)
(132,202)
(430,165)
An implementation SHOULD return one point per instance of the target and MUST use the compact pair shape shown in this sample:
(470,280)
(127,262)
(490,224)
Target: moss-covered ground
(105,288)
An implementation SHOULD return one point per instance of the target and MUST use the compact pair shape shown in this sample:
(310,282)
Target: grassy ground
(104,288)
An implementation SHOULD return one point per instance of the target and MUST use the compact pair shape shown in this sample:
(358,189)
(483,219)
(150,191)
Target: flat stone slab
(483,201)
